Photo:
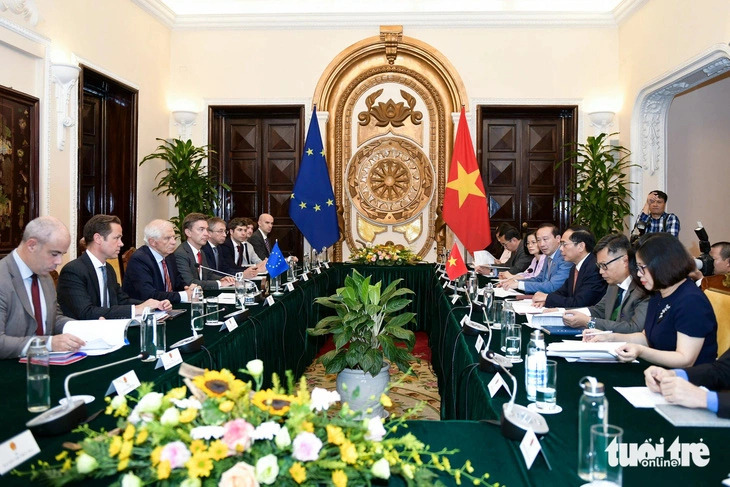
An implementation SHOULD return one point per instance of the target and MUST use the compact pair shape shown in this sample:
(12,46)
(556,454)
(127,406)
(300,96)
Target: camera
(705,262)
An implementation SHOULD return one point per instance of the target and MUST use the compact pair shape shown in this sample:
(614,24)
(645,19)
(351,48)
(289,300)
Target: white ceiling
(252,14)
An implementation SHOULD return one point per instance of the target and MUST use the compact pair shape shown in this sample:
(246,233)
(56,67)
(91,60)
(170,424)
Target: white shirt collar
(579,264)
(94,261)
(158,256)
(625,283)
(25,271)
(552,256)
(195,251)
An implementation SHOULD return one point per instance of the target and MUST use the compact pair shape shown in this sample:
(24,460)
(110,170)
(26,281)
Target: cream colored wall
(657,39)
(125,43)
(698,161)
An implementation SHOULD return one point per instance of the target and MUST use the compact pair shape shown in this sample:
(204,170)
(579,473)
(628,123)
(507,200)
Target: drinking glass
(473,288)
(547,392)
(240,290)
(196,309)
(211,306)
(495,315)
(604,471)
(512,340)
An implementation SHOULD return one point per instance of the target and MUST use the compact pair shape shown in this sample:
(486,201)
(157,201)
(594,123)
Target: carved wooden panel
(18,166)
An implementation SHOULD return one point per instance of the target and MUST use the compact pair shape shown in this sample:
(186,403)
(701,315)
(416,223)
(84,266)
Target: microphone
(64,418)
(516,419)
(216,271)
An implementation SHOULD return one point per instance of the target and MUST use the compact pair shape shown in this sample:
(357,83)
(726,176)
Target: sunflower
(219,383)
(272,402)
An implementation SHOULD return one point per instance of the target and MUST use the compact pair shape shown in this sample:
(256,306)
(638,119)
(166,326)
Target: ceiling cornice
(336,20)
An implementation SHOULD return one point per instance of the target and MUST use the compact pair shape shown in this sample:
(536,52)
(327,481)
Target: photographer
(654,219)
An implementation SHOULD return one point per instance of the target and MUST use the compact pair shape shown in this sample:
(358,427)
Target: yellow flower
(197,446)
(308,426)
(128,432)
(123,465)
(176,393)
(417,458)
(67,465)
(141,436)
(348,452)
(61,455)
(199,465)
(115,446)
(273,403)
(218,450)
(468,467)
(339,478)
(335,434)
(447,464)
(188,415)
(221,383)
(298,473)
(155,455)
(226,406)
(163,470)
(126,450)
(385,401)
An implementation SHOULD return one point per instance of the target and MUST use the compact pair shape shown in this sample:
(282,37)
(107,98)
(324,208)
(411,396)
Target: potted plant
(186,179)
(600,185)
(367,328)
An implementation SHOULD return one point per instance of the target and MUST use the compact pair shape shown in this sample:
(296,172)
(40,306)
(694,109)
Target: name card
(479,344)
(231,324)
(125,384)
(496,384)
(455,299)
(290,286)
(318,270)
(270,300)
(171,358)
(530,447)
(445,284)
(305,277)
(326,265)
(16,450)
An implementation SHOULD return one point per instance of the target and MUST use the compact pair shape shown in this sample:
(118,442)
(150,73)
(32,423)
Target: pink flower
(306,447)
(237,435)
(176,453)
(240,475)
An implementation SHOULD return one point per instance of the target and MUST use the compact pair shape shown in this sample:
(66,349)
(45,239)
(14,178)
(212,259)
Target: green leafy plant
(368,327)
(194,188)
(600,187)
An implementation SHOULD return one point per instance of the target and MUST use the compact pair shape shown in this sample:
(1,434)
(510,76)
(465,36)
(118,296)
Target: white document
(226,298)
(599,351)
(101,336)
(545,319)
(483,257)
(641,396)
(524,307)
(505,293)
(577,310)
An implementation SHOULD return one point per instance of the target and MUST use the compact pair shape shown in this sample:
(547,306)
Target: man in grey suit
(623,308)
(190,258)
(260,238)
(28,305)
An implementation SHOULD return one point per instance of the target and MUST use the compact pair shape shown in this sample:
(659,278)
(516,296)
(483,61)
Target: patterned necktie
(239,261)
(104,303)
(617,304)
(200,263)
(168,282)
(268,247)
(575,279)
(35,294)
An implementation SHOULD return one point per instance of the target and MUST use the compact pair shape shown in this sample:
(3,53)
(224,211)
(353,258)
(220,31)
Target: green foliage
(186,179)
(600,187)
(368,326)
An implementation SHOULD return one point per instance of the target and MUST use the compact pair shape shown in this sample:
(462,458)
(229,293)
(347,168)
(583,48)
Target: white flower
(188,403)
(376,432)
(207,432)
(118,402)
(131,480)
(381,469)
(322,399)
(171,417)
(266,431)
(282,438)
(150,403)
(85,463)
(267,469)
(255,367)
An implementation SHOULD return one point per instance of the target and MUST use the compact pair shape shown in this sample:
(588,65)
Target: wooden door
(107,164)
(518,149)
(259,149)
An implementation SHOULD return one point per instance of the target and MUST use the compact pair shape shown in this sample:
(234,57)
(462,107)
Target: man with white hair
(152,272)
(28,305)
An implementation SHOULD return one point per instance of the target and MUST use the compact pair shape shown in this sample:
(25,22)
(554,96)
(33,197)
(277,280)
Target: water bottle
(488,301)
(473,287)
(592,409)
(197,309)
(147,331)
(290,270)
(508,319)
(535,365)
(305,263)
(240,288)
(324,258)
(39,379)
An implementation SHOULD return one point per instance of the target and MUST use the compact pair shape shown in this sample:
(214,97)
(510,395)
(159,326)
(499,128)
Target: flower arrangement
(233,433)
(385,254)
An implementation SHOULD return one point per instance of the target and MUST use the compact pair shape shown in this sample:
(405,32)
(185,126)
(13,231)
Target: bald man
(260,238)
(28,305)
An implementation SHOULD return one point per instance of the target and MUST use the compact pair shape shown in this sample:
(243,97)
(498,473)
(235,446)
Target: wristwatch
(592,324)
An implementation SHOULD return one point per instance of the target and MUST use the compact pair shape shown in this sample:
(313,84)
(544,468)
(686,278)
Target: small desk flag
(455,266)
(312,204)
(277,263)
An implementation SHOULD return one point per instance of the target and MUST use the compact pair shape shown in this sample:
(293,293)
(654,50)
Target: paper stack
(578,351)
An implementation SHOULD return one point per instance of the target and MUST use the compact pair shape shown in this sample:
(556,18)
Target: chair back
(115,264)
(720,300)
(125,259)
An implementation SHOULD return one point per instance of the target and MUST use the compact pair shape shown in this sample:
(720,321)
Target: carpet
(406,390)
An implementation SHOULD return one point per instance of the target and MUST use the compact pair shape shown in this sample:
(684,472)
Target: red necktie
(200,263)
(168,283)
(35,293)
(575,279)
(239,262)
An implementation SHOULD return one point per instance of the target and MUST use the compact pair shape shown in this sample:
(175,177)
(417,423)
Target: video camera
(705,262)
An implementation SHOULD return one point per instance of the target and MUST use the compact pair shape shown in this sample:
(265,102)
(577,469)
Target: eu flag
(277,263)
(312,204)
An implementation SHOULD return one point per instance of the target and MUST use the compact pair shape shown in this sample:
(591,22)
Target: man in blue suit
(152,271)
(584,286)
(555,270)
(216,237)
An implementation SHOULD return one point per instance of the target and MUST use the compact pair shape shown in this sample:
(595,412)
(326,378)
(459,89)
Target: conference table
(277,335)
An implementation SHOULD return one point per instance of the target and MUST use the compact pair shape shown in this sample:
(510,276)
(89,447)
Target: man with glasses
(519,259)
(555,270)
(584,286)
(189,257)
(623,308)
(654,217)
(216,237)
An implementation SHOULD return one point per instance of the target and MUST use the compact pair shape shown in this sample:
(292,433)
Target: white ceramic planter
(369,389)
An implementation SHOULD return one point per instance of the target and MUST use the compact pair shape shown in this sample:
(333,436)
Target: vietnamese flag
(466,210)
(455,266)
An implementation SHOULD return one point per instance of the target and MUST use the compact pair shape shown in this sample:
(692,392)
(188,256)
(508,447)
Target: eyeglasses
(641,269)
(604,265)
(566,243)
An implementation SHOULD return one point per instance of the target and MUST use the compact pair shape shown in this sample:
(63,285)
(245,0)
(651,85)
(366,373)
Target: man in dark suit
(623,308)
(152,271)
(87,287)
(260,238)
(26,285)
(216,237)
(237,252)
(584,285)
(189,257)
(519,259)
(689,387)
